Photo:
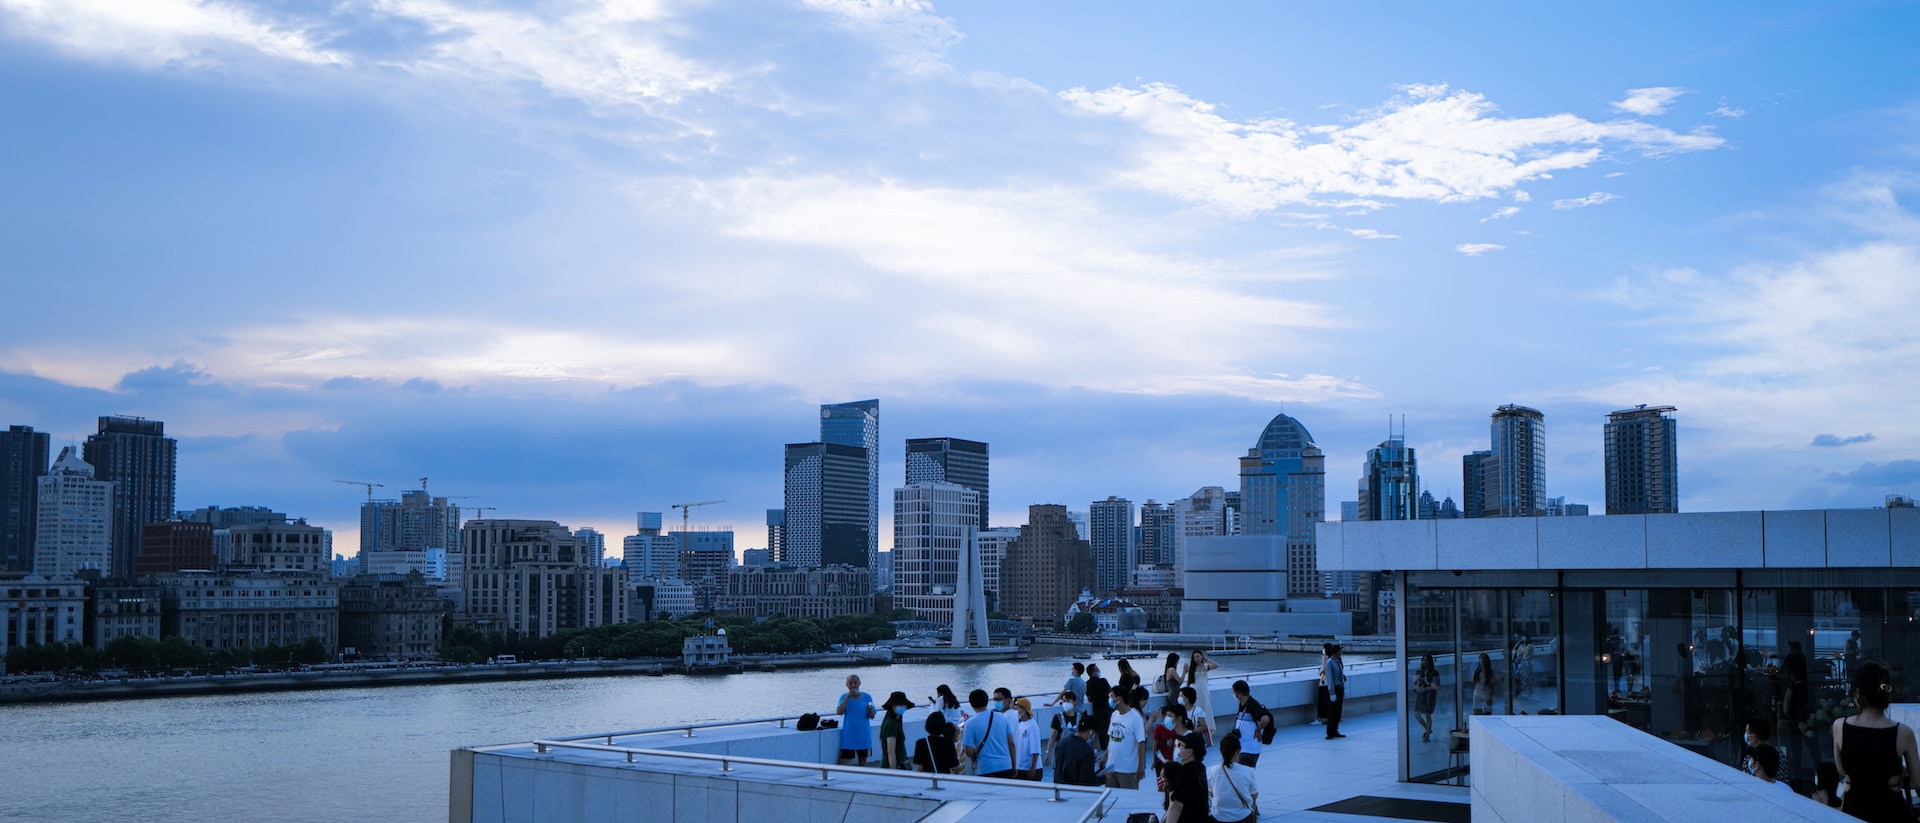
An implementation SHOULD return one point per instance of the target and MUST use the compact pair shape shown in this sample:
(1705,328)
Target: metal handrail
(727,762)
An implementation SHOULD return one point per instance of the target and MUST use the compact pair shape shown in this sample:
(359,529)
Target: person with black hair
(1187,786)
(942,755)
(1126,755)
(1065,722)
(1236,796)
(1766,761)
(988,739)
(893,733)
(1099,703)
(1874,752)
(1760,736)
(1073,757)
(1252,722)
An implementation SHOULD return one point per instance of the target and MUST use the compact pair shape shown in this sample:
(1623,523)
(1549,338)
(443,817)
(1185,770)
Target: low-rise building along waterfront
(251,609)
(391,617)
(36,610)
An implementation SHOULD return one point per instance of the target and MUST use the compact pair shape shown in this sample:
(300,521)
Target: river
(382,753)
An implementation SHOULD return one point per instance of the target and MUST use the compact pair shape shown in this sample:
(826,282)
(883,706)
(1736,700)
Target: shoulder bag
(1254,807)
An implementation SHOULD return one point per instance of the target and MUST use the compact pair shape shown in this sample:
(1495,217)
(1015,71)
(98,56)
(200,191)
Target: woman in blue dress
(856,723)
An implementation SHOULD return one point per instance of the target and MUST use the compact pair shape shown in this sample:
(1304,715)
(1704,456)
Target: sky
(580,259)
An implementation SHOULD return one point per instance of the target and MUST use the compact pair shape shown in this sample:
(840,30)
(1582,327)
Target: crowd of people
(1110,733)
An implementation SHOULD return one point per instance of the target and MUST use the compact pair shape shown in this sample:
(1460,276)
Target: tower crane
(370,486)
(686,510)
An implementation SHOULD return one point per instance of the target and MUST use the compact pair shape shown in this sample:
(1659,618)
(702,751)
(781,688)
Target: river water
(382,754)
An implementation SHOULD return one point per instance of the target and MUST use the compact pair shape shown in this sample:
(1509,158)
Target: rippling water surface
(381,754)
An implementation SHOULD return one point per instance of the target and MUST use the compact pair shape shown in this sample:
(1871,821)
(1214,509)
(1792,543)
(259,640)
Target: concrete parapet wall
(1586,769)
(522,789)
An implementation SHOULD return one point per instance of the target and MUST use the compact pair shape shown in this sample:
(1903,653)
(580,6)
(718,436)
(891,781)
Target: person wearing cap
(1073,757)
(1187,791)
(893,732)
(1026,742)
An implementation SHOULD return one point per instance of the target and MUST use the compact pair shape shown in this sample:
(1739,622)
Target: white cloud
(1521,196)
(1429,144)
(155,33)
(609,54)
(918,38)
(1371,234)
(1649,101)
(1477,249)
(1501,213)
(1729,112)
(1593,199)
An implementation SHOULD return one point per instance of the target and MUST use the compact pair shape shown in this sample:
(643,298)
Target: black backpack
(808,722)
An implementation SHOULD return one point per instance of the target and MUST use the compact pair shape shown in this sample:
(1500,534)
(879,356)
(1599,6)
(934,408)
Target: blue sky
(582,259)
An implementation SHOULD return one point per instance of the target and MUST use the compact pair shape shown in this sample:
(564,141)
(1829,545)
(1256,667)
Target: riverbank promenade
(765,770)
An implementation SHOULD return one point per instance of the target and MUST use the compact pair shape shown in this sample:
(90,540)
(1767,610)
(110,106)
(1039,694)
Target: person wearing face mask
(1126,756)
(1165,729)
(1065,723)
(1003,703)
(893,733)
(1026,742)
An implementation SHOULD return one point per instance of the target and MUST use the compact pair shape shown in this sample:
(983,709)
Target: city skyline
(588,261)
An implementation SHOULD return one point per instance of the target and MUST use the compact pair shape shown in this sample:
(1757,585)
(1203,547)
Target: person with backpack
(1253,723)
(1098,705)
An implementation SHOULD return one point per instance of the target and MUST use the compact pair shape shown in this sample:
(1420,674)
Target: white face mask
(1167,723)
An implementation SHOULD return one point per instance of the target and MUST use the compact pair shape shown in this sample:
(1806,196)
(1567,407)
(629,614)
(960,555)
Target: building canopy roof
(1283,434)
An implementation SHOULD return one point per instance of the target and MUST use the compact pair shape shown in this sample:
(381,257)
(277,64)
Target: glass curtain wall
(1689,656)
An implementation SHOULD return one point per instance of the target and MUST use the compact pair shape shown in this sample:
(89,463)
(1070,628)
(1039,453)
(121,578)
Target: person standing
(893,732)
(1026,750)
(1126,755)
(1874,751)
(1073,757)
(1426,692)
(1099,703)
(946,703)
(856,723)
(1170,680)
(1065,724)
(988,739)
(1199,663)
(1482,683)
(1252,722)
(1335,673)
(1075,688)
(942,750)
(1795,667)
(1189,702)
(1187,786)
(1236,797)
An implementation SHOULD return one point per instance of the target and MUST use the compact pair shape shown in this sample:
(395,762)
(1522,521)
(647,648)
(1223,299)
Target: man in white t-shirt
(1125,761)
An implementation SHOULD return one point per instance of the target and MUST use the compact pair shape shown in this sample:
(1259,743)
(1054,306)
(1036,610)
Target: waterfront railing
(826,770)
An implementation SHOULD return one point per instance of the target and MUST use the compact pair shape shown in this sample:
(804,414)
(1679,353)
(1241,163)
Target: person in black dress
(1874,752)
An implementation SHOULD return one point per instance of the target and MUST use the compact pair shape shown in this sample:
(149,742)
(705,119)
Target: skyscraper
(1473,483)
(931,525)
(1390,486)
(76,520)
(1283,490)
(136,456)
(857,424)
(1046,568)
(1110,527)
(1201,514)
(1643,474)
(1517,474)
(827,516)
(950,460)
(23,461)
(776,535)
(1156,534)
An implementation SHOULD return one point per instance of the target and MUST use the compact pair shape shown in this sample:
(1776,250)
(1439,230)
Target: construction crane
(370,486)
(482,511)
(686,510)
(423,484)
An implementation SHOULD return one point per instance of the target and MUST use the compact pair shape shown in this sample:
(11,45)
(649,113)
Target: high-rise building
(1643,474)
(650,556)
(1559,507)
(1201,514)
(931,525)
(777,535)
(1430,509)
(137,456)
(950,460)
(1517,474)
(1156,534)
(76,519)
(993,552)
(1110,527)
(1283,491)
(1390,487)
(23,461)
(857,424)
(531,576)
(230,516)
(704,558)
(1473,483)
(647,523)
(416,523)
(279,547)
(826,505)
(593,543)
(1046,568)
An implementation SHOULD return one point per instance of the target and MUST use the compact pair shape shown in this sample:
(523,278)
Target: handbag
(1253,806)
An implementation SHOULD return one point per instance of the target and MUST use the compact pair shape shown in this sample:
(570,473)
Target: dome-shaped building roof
(1283,434)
